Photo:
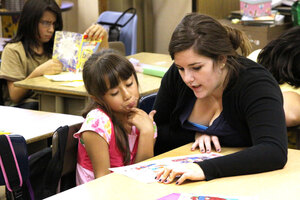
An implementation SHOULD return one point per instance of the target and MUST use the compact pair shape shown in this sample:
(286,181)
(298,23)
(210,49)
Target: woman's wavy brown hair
(207,37)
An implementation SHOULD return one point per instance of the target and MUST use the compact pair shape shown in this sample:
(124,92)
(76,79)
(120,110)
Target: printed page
(146,171)
(66,49)
(87,48)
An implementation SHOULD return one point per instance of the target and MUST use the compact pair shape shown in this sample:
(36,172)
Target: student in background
(282,58)
(213,95)
(115,132)
(28,54)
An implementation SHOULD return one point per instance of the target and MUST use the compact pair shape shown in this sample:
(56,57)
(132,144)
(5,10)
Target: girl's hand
(203,141)
(141,120)
(96,32)
(52,66)
(190,171)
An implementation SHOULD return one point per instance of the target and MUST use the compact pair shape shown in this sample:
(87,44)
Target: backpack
(115,28)
(41,172)
(14,165)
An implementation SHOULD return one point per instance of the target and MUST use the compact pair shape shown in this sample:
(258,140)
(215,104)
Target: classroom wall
(81,16)
(167,14)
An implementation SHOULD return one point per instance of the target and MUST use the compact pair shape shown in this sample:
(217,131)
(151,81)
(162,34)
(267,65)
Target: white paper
(146,171)
(65,76)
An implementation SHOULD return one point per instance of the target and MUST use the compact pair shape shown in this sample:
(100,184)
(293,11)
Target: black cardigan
(252,105)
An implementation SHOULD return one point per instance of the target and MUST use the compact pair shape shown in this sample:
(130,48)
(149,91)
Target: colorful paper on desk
(73,49)
(188,196)
(146,171)
(4,133)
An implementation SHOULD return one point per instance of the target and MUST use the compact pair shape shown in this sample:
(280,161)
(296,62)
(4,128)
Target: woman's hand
(96,32)
(204,141)
(190,171)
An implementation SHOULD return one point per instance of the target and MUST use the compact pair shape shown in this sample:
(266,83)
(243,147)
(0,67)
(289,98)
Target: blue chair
(146,102)
(128,33)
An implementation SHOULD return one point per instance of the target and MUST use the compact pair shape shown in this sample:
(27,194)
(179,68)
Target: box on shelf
(255,8)
(260,36)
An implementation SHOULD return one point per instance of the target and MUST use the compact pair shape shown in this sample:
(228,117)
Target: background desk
(275,185)
(34,126)
(63,99)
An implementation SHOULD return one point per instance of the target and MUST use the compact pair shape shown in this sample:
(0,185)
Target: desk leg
(59,104)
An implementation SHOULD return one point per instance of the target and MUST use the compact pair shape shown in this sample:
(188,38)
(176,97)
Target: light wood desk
(275,185)
(63,99)
(34,126)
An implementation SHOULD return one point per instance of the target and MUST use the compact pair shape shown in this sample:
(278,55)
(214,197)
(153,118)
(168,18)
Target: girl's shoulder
(97,114)
(98,121)
(15,45)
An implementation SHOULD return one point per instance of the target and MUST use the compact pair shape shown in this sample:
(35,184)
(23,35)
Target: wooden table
(55,97)
(275,185)
(34,126)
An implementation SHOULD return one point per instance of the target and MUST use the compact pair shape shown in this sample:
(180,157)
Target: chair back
(70,154)
(62,167)
(146,102)
(128,33)
(117,46)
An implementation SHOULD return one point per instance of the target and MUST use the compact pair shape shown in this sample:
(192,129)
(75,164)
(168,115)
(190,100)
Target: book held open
(73,49)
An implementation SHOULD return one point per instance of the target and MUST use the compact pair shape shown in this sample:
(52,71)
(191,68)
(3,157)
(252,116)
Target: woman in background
(29,53)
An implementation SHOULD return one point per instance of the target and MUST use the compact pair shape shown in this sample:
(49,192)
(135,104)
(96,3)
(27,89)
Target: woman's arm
(291,108)
(255,104)
(98,152)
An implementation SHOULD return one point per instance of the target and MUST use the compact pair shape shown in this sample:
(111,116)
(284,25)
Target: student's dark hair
(29,20)
(207,37)
(103,66)
(282,57)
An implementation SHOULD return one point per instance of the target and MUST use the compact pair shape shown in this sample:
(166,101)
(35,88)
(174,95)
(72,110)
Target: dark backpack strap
(10,167)
(55,166)
(119,18)
(126,11)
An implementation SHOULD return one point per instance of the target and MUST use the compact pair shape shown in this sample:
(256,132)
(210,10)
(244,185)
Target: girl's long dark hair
(102,66)
(28,25)
(282,57)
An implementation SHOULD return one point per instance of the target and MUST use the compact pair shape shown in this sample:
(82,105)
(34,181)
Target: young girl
(29,53)
(115,132)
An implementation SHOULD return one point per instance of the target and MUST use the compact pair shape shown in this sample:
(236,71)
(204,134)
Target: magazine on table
(146,171)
